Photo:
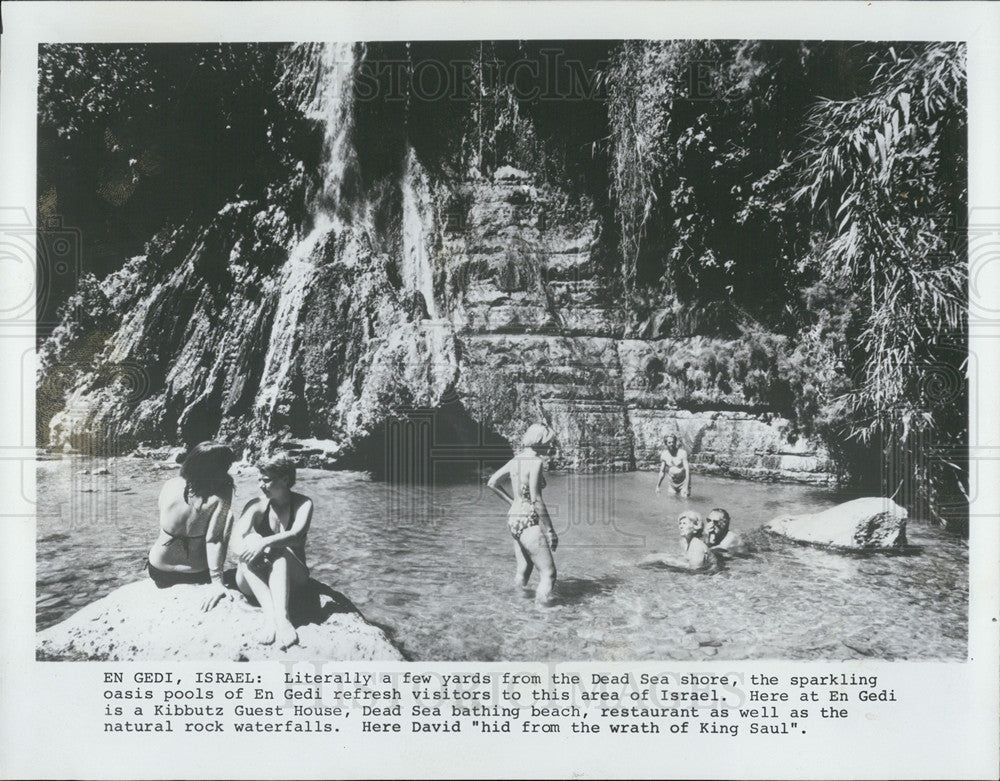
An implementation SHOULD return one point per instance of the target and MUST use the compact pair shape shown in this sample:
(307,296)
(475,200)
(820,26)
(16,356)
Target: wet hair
(696,520)
(537,436)
(205,470)
(281,467)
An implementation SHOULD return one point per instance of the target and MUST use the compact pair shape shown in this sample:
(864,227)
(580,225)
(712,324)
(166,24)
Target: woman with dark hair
(195,523)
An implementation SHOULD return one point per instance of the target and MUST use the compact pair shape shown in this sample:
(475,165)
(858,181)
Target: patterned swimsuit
(523,514)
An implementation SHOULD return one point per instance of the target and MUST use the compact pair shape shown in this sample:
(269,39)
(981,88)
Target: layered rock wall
(316,315)
(495,299)
(540,338)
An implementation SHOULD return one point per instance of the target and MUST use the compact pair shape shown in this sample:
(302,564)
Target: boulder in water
(871,523)
(142,622)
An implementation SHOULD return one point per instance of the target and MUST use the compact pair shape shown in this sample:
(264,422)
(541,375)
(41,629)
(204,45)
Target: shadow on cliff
(430,446)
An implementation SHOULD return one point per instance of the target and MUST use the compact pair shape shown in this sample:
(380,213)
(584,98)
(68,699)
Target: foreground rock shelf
(870,523)
(141,622)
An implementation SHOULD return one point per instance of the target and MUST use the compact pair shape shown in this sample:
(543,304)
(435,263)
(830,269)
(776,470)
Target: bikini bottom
(165,578)
(518,523)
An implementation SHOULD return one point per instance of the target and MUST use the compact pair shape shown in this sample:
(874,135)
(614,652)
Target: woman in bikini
(272,535)
(528,520)
(195,523)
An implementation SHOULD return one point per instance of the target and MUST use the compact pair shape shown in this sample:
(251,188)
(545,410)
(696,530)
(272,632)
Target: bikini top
(297,545)
(274,528)
(184,538)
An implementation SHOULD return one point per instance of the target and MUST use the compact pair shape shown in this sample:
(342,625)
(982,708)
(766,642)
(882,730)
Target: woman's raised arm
(495,478)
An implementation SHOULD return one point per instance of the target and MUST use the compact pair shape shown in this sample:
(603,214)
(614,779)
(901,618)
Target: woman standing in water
(195,523)
(272,533)
(674,462)
(528,520)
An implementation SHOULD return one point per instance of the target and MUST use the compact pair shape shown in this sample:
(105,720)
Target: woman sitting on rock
(272,533)
(528,520)
(195,523)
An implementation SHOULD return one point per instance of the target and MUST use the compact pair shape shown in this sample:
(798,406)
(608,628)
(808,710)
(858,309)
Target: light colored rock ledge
(140,622)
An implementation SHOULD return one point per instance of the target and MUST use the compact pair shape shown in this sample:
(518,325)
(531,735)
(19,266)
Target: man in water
(674,462)
(718,536)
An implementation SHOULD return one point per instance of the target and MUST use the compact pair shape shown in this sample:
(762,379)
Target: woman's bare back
(184,526)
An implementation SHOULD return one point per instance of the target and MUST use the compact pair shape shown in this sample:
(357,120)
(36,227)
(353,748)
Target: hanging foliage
(882,174)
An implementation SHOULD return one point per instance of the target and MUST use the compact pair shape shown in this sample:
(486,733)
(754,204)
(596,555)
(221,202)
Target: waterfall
(416,271)
(332,103)
(320,77)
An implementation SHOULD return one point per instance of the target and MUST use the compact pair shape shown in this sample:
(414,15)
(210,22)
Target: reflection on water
(437,568)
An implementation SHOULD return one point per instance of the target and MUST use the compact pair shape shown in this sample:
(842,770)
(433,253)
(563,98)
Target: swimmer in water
(674,462)
(698,557)
(718,534)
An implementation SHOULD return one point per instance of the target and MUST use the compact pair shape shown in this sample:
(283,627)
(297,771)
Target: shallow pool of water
(435,567)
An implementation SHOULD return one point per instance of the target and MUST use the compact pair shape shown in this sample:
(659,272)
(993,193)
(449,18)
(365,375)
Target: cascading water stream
(416,271)
(321,79)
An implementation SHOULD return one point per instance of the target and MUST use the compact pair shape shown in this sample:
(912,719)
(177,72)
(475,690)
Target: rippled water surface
(436,568)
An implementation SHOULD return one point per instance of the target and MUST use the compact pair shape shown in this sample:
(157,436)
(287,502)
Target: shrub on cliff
(884,174)
(698,133)
(135,137)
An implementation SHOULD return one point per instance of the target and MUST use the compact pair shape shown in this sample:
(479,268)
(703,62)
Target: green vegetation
(884,176)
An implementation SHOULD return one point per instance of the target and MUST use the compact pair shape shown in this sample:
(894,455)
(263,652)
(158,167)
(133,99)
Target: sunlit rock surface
(142,622)
(870,523)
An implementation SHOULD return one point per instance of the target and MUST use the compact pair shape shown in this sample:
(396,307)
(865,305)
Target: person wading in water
(674,462)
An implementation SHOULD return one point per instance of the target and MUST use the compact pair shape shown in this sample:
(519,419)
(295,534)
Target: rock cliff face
(482,308)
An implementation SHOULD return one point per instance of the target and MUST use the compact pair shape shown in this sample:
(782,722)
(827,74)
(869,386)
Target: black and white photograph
(503,350)
(500,390)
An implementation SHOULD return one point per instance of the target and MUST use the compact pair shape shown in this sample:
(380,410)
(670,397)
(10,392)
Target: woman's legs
(536,547)
(250,580)
(524,566)
(286,573)
(271,585)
